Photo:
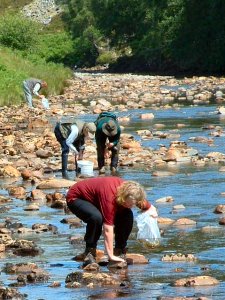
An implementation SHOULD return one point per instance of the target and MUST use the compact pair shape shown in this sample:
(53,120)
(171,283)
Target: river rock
(4,199)
(134,259)
(184,221)
(44,228)
(220,209)
(9,171)
(210,229)
(162,173)
(11,293)
(26,174)
(25,247)
(31,207)
(222,221)
(38,194)
(167,199)
(96,279)
(73,222)
(196,281)
(178,257)
(55,184)
(17,192)
(165,221)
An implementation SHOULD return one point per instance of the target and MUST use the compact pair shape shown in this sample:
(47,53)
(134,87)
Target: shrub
(17,32)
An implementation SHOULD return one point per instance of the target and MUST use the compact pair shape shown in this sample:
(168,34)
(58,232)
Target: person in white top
(71,137)
(31,87)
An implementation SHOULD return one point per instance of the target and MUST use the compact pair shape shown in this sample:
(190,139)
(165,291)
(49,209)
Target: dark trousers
(100,142)
(61,140)
(90,215)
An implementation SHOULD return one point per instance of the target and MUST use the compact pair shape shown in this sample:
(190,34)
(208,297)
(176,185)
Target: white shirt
(37,87)
(71,138)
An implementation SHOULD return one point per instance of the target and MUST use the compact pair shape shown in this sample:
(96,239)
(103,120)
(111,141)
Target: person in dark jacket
(107,138)
(31,87)
(71,137)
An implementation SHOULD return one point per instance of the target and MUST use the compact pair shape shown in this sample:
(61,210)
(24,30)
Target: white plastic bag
(148,230)
(45,103)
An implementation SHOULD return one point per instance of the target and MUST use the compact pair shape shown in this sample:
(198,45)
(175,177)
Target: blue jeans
(27,94)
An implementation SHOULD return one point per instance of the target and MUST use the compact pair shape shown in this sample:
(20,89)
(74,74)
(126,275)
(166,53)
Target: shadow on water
(199,189)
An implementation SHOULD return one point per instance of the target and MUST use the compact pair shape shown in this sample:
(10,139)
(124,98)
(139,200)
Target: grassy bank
(14,69)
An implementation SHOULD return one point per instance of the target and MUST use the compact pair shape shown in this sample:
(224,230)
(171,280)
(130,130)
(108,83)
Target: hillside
(24,54)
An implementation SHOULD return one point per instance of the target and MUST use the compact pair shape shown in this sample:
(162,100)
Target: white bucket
(86,167)
(45,103)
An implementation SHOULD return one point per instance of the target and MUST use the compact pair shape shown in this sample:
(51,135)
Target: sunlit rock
(165,199)
(55,184)
(196,281)
(220,209)
(17,192)
(178,257)
(9,171)
(184,221)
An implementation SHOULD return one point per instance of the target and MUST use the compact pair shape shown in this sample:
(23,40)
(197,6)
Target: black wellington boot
(90,256)
(64,166)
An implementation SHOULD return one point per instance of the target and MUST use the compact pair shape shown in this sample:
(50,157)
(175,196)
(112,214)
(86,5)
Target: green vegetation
(14,69)
(29,51)
(159,36)
(162,35)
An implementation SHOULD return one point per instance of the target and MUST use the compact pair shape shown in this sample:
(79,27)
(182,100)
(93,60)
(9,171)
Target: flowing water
(197,188)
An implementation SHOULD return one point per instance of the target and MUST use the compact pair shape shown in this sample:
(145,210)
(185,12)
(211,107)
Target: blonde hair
(132,189)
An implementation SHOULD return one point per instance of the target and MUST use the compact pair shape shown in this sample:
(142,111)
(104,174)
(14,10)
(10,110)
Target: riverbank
(168,148)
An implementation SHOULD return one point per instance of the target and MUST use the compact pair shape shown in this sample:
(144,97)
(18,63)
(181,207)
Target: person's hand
(152,211)
(75,152)
(110,145)
(41,96)
(106,153)
(116,258)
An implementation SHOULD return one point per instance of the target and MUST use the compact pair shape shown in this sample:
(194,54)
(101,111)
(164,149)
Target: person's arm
(36,89)
(115,139)
(108,239)
(144,205)
(71,138)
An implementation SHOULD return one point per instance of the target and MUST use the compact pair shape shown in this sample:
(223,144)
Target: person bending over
(105,203)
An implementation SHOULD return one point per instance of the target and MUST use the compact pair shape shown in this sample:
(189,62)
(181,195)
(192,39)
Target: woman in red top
(106,202)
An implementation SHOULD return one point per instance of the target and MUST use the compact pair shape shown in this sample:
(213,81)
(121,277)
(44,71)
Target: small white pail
(86,167)
(45,103)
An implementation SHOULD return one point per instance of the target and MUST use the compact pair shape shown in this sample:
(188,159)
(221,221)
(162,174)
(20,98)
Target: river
(198,188)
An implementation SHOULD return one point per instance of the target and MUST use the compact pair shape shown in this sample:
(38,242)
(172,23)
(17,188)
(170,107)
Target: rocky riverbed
(30,160)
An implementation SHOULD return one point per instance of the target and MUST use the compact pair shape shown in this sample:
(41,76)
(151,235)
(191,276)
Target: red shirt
(100,191)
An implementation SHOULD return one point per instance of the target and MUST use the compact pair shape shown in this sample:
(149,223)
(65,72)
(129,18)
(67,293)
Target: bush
(14,68)
(17,32)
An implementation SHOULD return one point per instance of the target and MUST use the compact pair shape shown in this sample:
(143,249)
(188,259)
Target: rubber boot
(122,253)
(64,166)
(90,256)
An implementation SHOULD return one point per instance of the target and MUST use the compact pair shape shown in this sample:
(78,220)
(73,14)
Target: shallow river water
(197,188)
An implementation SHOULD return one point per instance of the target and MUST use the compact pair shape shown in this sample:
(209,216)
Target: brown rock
(26,174)
(196,281)
(9,171)
(220,209)
(17,192)
(184,221)
(55,184)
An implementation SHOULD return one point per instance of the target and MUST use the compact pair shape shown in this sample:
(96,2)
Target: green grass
(14,5)
(14,69)
(15,66)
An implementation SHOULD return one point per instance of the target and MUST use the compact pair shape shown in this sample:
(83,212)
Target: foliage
(17,32)
(55,47)
(14,68)
(12,5)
